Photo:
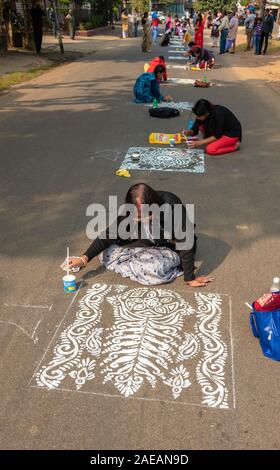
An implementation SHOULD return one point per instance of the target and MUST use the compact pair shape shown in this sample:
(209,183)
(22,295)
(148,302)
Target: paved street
(63,136)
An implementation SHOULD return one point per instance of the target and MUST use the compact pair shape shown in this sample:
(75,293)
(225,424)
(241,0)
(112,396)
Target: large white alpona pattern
(155,338)
(142,343)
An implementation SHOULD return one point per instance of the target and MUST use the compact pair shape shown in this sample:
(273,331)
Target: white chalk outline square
(120,289)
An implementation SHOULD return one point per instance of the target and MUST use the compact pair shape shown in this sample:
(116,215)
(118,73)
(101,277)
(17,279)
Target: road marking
(49,307)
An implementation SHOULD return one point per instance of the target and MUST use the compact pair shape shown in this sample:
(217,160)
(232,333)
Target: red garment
(155,22)
(198,37)
(223,145)
(268,302)
(157,61)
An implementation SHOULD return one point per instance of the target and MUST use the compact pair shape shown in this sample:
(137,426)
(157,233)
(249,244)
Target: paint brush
(248,305)
(67,260)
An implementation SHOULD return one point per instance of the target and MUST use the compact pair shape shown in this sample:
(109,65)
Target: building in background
(174,7)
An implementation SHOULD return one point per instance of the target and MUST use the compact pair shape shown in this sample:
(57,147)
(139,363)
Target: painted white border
(108,395)
(55,333)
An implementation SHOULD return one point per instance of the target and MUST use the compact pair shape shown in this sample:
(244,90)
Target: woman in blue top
(146,87)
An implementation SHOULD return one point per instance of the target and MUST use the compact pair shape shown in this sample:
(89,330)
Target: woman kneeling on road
(147,245)
(221,129)
(203,58)
(146,87)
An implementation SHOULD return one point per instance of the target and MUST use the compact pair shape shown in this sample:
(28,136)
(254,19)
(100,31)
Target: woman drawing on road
(151,260)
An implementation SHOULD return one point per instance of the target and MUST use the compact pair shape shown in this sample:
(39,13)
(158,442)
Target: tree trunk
(28,40)
(262,6)
(3,37)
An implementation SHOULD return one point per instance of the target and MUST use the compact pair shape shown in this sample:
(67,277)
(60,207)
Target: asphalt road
(62,137)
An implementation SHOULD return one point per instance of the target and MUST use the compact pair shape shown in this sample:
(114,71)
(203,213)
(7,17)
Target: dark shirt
(186,256)
(37,15)
(220,122)
(267,24)
(205,55)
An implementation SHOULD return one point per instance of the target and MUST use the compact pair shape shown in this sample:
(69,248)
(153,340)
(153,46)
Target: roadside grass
(273,47)
(14,78)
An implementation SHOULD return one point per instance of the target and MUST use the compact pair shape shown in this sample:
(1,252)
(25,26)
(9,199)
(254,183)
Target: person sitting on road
(221,129)
(142,252)
(146,87)
(166,38)
(203,57)
(160,60)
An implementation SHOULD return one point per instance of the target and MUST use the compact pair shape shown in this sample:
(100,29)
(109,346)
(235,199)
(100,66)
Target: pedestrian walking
(124,20)
(257,34)
(233,30)
(146,39)
(168,23)
(249,24)
(155,24)
(224,30)
(188,17)
(215,30)
(37,14)
(194,17)
(136,22)
(52,19)
(209,20)
(199,29)
(70,19)
(267,28)
(130,18)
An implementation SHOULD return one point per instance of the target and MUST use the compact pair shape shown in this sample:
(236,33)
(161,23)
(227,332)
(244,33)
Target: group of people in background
(258,30)
(130,23)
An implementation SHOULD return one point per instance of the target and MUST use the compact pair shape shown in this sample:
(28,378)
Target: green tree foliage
(206,5)
(140,5)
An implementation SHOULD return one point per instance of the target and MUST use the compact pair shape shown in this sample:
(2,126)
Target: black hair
(141,193)
(197,50)
(199,18)
(162,58)
(158,69)
(191,44)
(202,107)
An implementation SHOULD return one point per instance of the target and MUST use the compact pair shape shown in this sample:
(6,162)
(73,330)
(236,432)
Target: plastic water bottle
(155,103)
(205,79)
(190,124)
(275,285)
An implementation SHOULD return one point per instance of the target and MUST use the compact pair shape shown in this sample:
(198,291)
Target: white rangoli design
(164,158)
(146,344)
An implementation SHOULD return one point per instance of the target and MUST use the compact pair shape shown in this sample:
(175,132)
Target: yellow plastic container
(164,139)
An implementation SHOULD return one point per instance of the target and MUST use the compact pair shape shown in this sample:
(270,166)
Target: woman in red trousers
(221,130)
(199,28)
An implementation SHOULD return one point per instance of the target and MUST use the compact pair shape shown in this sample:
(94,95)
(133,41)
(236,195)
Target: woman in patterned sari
(148,256)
